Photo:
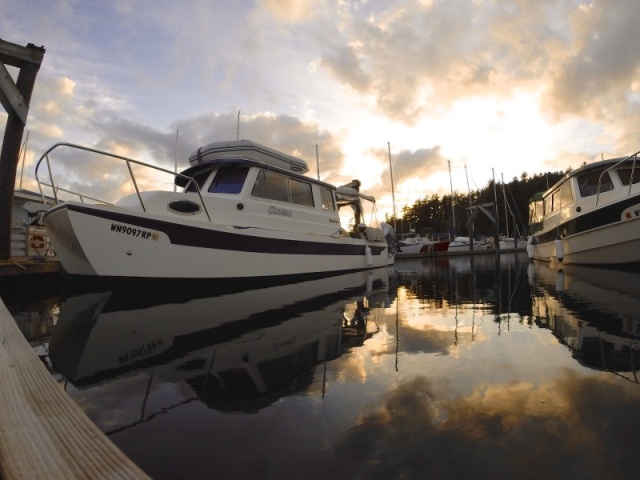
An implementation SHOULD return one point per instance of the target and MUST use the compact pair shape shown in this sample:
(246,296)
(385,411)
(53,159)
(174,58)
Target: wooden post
(15,98)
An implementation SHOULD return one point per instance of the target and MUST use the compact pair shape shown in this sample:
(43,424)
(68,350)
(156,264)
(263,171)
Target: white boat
(510,243)
(463,244)
(590,217)
(244,211)
(411,243)
(414,243)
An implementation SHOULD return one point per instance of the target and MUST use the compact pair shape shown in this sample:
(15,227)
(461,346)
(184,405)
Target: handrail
(128,161)
(633,168)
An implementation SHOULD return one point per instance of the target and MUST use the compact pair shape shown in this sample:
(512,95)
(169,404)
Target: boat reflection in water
(593,311)
(460,367)
(238,351)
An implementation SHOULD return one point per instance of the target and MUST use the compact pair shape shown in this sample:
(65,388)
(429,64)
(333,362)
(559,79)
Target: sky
(480,88)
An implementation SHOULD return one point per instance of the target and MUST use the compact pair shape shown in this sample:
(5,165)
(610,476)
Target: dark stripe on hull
(202,238)
(590,221)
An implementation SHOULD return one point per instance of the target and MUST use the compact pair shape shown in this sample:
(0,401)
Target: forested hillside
(433,214)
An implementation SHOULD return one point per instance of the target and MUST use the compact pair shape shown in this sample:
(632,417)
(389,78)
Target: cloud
(574,426)
(289,10)
(603,65)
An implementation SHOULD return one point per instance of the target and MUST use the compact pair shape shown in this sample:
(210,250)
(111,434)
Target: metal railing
(633,169)
(129,161)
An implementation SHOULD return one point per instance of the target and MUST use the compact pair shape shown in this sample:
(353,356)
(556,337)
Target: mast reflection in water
(460,367)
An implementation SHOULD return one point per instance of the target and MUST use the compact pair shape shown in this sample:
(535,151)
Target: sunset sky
(491,88)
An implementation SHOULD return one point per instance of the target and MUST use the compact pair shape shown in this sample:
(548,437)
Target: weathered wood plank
(43,433)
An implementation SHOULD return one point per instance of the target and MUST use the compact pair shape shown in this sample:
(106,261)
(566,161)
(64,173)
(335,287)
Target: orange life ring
(37,242)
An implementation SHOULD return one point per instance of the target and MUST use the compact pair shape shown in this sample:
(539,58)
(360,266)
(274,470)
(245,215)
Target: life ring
(37,242)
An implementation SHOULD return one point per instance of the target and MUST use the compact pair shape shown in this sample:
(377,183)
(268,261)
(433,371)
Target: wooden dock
(44,434)
(28,266)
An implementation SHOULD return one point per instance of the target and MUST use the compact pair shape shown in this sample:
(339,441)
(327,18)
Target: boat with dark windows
(243,210)
(590,217)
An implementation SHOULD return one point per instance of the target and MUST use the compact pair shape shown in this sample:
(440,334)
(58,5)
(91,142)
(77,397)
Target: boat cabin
(267,187)
(583,190)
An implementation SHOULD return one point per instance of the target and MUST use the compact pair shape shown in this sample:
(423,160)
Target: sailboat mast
(504,194)
(453,210)
(24,155)
(393,194)
(317,157)
(175,165)
(468,188)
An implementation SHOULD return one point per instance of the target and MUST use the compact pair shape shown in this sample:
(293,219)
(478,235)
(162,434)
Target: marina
(460,366)
(243,319)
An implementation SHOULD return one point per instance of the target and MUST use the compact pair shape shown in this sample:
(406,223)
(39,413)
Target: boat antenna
(453,210)
(393,194)
(175,166)
(317,157)
(24,154)
(238,127)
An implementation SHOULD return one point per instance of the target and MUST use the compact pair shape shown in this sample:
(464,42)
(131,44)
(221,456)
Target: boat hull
(612,244)
(108,242)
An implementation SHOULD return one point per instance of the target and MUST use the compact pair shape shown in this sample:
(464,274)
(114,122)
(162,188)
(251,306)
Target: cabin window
(301,192)
(588,183)
(282,188)
(328,202)
(200,178)
(624,172)
(229,179)
(561,197)
(272,186)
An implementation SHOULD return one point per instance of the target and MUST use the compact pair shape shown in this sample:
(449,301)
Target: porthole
(184,206)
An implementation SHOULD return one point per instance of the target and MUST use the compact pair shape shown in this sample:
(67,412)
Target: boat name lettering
(139,353)
(134,232)
(280,211)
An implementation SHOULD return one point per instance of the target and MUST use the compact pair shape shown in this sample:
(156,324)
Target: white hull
(462,244)
(614,244)
(590,217)
(106,242)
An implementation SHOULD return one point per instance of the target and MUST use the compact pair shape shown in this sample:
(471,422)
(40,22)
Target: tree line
(433,214)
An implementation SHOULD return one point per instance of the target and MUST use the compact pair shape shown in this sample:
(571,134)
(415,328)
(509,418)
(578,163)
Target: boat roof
(247,149)
(600,164)
(207,165)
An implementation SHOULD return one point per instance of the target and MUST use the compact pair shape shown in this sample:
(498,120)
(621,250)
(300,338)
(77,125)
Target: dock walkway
(44,434)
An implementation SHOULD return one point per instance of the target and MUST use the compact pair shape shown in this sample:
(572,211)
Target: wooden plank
(23,266)
(43,433)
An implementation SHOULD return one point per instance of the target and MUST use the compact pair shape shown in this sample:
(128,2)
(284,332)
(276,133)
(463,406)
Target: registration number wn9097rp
(134,232)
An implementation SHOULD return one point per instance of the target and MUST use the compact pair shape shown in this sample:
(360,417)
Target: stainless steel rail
(55,189)
(633,169)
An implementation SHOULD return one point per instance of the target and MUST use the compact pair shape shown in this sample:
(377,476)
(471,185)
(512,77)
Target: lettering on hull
(134,232)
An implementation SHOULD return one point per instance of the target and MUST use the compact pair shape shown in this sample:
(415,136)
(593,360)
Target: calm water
(449,368)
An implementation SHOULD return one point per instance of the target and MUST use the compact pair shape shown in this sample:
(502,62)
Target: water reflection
(239,351)
(595,312)
(461,367)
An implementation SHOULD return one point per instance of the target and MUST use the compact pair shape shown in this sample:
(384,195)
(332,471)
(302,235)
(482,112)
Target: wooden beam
(16,99)
(10,97)
(19,56)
